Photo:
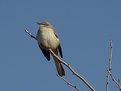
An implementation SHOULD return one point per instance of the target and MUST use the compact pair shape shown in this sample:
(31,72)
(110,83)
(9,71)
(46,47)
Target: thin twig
(68,83)
(30,34)
(109,66)
(73,71)
(116,82)
(109,71)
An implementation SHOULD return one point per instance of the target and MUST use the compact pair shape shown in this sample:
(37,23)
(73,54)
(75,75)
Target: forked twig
(68,83)
(116,82)
(109,71)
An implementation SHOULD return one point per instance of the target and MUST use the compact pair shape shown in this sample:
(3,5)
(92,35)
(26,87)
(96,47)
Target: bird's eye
(46,24)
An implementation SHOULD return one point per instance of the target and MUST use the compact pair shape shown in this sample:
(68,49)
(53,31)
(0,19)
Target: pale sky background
(84,28)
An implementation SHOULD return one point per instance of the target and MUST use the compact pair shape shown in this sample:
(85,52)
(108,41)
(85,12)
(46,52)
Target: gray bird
(48,38)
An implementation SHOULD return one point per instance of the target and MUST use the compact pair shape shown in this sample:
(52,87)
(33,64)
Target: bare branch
(68,83)
(30,34)
(116,82)
(109,71)
(72,70)
(67,65)
(109,66)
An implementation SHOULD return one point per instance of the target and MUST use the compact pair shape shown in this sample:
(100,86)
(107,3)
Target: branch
(67,65)
(116,82)
(72,70)
(109,73)
(109,66)
(30,34)
(68,83)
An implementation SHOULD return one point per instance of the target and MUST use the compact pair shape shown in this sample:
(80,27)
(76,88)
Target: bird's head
(45,23)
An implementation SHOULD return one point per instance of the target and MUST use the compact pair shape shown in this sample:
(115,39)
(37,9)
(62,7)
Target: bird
(47,38)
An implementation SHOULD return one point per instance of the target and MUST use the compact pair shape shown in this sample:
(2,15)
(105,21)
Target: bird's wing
(55,33)
(59,47)
(60,50)
(45,52)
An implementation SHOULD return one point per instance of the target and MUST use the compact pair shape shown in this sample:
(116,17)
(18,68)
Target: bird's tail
(58,65)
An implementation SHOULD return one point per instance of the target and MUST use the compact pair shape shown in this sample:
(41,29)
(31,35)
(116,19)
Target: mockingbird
(48,38)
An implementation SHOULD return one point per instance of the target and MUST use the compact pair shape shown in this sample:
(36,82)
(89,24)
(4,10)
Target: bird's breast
(48,39)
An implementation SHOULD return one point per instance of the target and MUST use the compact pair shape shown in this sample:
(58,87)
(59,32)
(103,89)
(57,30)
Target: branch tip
(29,33)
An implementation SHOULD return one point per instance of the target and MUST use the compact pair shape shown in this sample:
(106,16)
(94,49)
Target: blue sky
(84,27)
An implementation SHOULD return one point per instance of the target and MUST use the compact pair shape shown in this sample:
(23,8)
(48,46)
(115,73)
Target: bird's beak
(38,23)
